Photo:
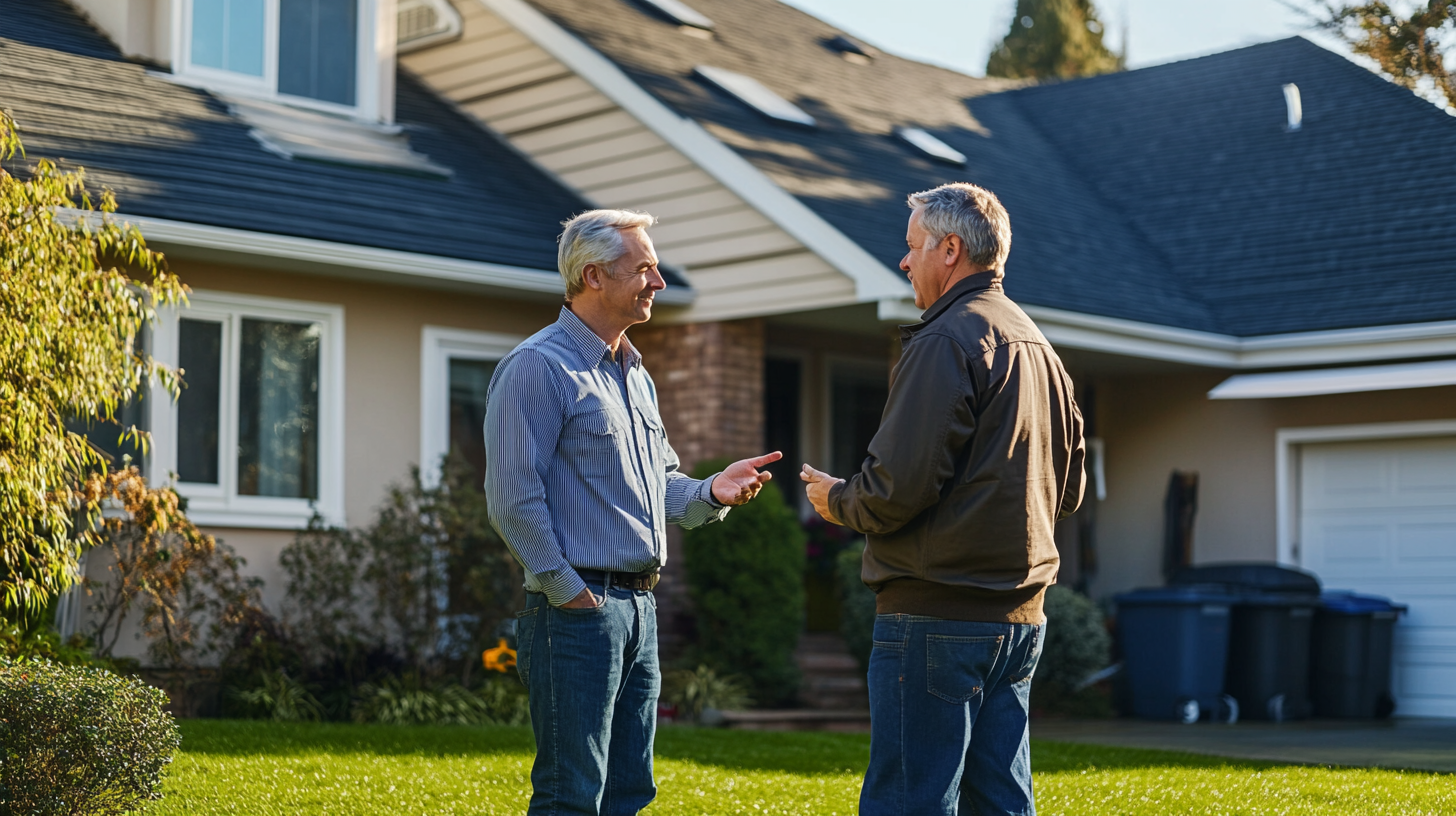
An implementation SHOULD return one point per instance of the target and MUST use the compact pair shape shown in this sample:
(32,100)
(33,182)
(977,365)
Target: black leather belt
(638,581)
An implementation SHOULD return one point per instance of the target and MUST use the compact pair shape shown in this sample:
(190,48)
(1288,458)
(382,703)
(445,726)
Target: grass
(263,769)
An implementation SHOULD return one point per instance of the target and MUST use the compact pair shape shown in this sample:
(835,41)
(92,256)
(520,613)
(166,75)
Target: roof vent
(294,133)
(1292,107)
(680,13)
(852,50)
(931,146)
(754,94)
(422,23)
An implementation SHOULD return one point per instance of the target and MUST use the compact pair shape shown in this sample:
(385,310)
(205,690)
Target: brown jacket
(979,453)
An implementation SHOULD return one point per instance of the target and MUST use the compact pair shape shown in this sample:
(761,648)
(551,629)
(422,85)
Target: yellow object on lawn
(500,658)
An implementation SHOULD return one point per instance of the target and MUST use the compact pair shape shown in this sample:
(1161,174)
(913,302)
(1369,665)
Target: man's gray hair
(594,237)
(971,212)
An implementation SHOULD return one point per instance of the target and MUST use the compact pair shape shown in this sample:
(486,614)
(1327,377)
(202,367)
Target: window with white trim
(455,370)
(255,438)
(319,53)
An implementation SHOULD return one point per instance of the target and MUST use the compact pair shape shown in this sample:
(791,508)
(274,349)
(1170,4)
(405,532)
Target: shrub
(277,696)
(408,700)
(857,605)
(746,579)
(1077,645)
(693,690)
(79,740)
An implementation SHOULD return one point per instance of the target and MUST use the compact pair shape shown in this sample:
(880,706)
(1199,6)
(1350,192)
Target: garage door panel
(1379,518)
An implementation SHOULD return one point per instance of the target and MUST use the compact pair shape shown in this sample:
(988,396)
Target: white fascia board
(1318,381)
(1131,338)
(237,246)
(873,280)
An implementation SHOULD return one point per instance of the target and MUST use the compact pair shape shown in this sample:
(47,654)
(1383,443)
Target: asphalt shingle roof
(174,152)
(1169,195)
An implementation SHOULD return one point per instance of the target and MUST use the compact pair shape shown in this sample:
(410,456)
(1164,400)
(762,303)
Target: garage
(1379,517)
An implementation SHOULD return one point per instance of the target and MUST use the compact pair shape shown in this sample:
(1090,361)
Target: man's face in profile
(628,289)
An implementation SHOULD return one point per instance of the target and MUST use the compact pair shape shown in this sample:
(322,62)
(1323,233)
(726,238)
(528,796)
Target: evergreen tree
(1053,39)
(1411,49)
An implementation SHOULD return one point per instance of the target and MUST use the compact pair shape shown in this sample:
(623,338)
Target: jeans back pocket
(956,666)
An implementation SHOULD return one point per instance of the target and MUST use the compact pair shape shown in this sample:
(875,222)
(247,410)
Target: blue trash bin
(1350,655)
(1175,647)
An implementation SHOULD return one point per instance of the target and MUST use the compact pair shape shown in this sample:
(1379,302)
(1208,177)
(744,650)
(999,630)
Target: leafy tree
(1407,48)
(1053,39)
(69,320)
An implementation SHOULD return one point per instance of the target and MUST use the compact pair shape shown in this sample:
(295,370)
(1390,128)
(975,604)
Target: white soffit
(755,95)
(1336,381)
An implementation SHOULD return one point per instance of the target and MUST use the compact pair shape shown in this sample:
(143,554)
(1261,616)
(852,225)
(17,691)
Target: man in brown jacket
(978,454)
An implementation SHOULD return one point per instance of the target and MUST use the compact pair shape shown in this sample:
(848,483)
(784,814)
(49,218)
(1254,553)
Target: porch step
(832,681)
(799,719)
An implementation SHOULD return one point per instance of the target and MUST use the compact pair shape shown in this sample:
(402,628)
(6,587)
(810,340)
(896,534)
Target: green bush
(692,690)
(408,700)
(857,605)
(746,578)
(76,740)
(1077,645)
(278,696)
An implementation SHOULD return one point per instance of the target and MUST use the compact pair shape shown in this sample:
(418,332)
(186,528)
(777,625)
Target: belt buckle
(649,581)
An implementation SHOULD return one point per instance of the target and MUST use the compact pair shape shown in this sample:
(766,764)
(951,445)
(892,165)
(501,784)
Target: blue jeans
(593,680)
(948,717)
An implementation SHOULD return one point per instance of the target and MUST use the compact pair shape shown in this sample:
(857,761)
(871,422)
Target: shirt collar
(965,286)
(593,348)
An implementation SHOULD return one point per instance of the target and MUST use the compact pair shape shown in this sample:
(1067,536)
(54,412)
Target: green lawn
(267,769)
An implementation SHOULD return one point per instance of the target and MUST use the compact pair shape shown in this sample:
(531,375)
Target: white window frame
(220,505)
(439,345)
(373,68)
(1287,476)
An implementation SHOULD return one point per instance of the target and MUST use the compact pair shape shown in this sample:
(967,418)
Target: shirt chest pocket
(596,442)
(655,437)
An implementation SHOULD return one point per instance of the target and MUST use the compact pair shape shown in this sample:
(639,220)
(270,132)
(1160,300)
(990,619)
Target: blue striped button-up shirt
(579,473)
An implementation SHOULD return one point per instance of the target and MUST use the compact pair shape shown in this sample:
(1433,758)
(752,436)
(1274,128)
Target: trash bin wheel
(1188,711)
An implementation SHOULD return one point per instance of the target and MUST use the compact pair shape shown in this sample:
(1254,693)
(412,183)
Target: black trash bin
(1269,636)
(1174,645)
(1350,656)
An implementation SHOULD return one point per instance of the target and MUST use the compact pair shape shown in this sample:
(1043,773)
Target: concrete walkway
(1400,743)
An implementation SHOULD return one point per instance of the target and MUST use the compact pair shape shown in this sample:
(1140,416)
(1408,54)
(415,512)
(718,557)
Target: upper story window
(318,52)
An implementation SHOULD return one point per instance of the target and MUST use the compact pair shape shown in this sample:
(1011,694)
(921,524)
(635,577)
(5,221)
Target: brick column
(710,391)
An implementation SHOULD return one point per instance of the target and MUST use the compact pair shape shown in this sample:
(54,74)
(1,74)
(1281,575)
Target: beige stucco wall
(1152,425)
(382,333)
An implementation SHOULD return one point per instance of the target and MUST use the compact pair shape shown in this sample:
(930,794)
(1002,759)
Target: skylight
(852,50)
(754,94)
(931,146)
(680,13)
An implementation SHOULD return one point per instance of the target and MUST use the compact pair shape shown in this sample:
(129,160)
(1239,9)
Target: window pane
(858,402)
(228,34)
(278,381)
(317,41)
(199,355)
(469,380)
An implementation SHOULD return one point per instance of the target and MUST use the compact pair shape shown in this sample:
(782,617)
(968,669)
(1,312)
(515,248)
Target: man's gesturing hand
(742,480)
(819,484)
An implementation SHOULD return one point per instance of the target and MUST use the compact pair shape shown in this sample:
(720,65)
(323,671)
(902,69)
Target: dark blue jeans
(948,717)
(593,680)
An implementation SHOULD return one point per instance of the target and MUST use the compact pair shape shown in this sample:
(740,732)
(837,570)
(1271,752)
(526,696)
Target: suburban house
(1244,259)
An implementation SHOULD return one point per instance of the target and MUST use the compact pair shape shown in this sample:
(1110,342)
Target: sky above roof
(960,34)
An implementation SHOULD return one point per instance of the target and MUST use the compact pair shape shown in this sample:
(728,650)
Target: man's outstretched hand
(741,481)
(818,484)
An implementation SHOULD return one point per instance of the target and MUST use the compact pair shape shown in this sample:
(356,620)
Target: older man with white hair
(979,452)
(581,483)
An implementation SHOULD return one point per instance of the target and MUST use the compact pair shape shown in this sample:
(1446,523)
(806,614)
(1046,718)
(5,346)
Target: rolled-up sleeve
(523,421)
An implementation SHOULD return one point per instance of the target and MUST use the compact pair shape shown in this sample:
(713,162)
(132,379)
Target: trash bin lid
(1251,578)
(1345,602)
(1187,595)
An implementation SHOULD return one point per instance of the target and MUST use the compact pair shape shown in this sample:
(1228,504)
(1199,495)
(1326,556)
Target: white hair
(971,212)
(594,237)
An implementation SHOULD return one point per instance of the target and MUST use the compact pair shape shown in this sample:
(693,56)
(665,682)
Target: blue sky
(960,33)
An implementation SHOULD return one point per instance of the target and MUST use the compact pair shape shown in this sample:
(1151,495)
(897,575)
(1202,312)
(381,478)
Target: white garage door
(1380,518)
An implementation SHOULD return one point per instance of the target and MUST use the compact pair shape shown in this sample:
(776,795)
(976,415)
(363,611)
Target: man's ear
(591,275)
(952,245)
